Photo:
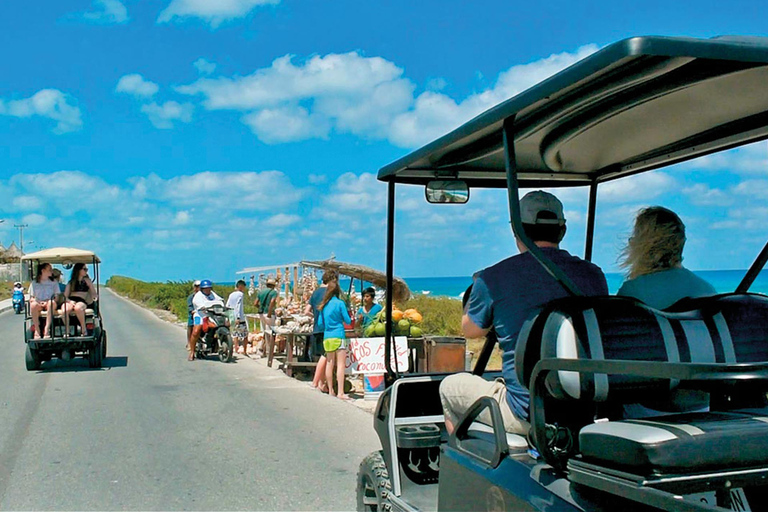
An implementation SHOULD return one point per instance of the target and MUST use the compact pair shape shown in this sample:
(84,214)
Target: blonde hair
(656,243)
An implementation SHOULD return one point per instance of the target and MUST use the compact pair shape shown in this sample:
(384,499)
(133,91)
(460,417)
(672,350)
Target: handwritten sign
(366,355)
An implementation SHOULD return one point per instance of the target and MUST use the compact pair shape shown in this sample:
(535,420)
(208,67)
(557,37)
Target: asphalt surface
(151,431)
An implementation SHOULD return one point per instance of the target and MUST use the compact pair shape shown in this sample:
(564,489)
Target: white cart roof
(58,255)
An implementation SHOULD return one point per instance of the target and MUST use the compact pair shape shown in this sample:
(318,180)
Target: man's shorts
(459,391)
(316,345)
(240,331)
(267,322)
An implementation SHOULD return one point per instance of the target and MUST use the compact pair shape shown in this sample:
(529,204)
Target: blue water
(722,280)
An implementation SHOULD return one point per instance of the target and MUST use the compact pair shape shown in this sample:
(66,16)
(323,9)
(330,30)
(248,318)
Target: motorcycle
(18,300)
(216,338)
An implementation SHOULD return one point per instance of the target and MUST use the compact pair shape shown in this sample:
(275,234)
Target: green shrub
(441,316)
(170,296)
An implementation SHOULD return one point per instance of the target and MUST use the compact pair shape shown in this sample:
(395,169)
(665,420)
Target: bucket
(373,385)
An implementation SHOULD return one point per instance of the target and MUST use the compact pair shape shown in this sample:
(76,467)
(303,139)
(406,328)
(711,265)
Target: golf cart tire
(225,346)
(31,359)
(103,345)
(94,356)
(373,484)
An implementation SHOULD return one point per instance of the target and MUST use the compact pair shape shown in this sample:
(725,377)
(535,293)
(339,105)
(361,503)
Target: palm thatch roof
(400,291)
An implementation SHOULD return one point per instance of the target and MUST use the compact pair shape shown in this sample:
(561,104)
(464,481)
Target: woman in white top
(42,297)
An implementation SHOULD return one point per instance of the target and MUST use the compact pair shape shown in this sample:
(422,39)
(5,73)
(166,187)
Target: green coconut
(380,329)
(370,331)
(416,332)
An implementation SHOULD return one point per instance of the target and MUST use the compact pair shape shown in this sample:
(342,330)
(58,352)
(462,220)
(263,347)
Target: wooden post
(296,283)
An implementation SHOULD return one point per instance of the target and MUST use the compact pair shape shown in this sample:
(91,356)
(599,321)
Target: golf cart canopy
(61,255)
(636,105)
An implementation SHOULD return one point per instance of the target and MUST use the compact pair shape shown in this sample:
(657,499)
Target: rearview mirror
(447,191)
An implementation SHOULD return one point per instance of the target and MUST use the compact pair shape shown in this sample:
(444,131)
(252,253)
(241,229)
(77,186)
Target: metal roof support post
(392,374)
(753,271)
(590,239)
(514,211)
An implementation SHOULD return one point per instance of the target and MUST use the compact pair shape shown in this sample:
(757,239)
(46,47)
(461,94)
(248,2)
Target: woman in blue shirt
(333,315)
(368,311)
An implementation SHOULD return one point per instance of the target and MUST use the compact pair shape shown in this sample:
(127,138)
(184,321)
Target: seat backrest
(731,328)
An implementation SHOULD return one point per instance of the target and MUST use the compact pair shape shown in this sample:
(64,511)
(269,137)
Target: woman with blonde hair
(653,258)
(656,276)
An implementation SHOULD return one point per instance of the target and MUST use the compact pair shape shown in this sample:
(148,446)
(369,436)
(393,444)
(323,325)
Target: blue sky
(190,138)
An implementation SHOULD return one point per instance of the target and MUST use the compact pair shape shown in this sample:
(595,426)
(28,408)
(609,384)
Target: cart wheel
(103,345)
(373,485)
(31,359)
(94,356)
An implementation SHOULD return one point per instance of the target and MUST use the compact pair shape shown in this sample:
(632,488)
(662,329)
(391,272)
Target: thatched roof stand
(400,291)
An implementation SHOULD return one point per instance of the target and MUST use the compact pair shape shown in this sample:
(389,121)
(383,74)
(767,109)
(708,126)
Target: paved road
(152,431)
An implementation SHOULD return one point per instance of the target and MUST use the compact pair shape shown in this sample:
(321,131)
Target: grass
(6,289)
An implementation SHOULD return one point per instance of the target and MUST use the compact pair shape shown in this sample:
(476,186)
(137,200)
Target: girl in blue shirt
(333,315)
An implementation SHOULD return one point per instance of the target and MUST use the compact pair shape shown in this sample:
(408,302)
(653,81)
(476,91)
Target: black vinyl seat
(720,331)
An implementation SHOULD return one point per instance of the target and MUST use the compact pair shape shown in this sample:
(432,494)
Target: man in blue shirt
(503,296)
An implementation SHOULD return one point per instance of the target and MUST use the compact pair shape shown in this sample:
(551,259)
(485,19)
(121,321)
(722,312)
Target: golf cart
(65,343)
(634,106)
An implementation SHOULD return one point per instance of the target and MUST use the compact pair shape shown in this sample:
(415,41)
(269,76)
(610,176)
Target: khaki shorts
(459,391)
(267,322)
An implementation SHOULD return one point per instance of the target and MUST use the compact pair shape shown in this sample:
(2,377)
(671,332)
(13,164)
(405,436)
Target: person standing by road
(317,334)
(240,329)
(266,302)
(333,316)
(368,311)
(191,311)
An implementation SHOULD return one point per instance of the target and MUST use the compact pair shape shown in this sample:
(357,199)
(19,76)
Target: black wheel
(31,359)
(225,345)
(373,484)
(94,356)
(103,345)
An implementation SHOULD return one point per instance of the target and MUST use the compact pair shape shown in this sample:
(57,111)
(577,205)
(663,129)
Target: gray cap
(533,204)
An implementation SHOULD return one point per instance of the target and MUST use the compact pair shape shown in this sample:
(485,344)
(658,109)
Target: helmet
(206,283)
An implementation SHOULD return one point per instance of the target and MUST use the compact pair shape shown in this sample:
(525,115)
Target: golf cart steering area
(637,105)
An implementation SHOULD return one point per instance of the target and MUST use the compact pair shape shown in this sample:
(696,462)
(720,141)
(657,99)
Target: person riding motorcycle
(18,297)
(205,298)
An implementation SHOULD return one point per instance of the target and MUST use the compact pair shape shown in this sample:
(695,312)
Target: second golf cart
(66,340)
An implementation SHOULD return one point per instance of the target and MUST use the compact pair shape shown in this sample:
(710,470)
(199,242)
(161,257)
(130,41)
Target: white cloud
(365,96)
(261,191)
(137,85)
(204,67)
(282,220)
(289,101)
(214,12)
(163,116)
(702,195)
(641,187)
(34,219)
(26,203)
(107,12)
(48,103)
(286,124)
(435,114)
(317,179)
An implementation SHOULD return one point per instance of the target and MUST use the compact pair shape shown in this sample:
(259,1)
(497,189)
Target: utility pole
(21,249)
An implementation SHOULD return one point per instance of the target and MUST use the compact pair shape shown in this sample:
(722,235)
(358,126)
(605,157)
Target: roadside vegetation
(441,315)
(6,289)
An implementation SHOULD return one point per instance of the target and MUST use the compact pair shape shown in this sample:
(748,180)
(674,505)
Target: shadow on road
(81,365)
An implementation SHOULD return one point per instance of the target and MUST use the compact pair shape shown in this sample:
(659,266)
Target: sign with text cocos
(366,355)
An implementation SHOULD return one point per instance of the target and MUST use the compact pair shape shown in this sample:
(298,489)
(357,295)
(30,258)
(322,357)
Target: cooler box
(445,354)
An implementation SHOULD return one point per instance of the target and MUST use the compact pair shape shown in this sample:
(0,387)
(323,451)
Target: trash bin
(446,354)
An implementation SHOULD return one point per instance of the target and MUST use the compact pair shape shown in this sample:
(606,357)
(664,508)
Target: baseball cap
(539,207)
(56,272)
(197,282)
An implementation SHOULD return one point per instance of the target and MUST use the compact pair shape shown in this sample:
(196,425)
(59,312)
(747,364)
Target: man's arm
(471,330)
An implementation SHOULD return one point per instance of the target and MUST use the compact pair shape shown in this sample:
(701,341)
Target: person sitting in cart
(503,297)
(368,311)
(57,279)
(206,297)
(42,297)
(653,257)
(80,293)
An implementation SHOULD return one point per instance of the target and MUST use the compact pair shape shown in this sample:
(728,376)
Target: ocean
(722,280)
(453,287)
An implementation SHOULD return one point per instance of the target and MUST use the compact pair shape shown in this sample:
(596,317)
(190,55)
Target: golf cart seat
(88,312)
(638,347)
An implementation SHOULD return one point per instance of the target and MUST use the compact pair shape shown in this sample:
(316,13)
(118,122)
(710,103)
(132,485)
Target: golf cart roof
(636,105)
(58,255)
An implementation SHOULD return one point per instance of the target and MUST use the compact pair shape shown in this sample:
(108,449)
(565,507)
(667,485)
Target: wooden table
(295,340)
